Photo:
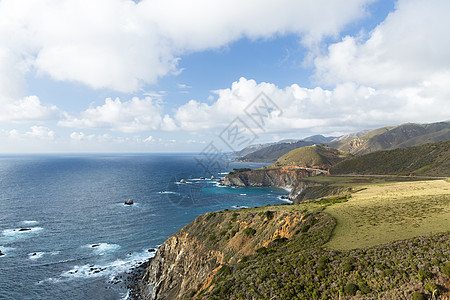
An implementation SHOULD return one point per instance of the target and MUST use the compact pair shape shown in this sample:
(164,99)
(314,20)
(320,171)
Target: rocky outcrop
(187,262)
(284,177)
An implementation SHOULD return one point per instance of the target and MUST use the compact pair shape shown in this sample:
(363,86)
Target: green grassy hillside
(310,156)
(366,252)
(273,152)
(429,160)
(386,138)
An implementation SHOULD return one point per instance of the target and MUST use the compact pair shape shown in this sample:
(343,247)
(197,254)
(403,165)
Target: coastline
(134,285)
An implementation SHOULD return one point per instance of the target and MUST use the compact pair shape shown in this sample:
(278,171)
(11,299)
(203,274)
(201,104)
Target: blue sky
(164,76)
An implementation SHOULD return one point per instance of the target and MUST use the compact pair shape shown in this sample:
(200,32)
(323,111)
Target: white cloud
(26,110)
(136,115)
(408,48)
(120,44)
(35,132)
(345,108)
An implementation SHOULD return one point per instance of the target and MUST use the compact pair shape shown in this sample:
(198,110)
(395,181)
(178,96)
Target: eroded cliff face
(285,177)
(186,263)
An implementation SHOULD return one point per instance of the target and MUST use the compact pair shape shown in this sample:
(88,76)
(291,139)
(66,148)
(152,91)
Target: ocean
(66,233)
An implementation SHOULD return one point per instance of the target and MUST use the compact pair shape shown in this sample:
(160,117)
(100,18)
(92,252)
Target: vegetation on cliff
(387,138)
(430,159)
(298,252)
(311,156)
(273,152)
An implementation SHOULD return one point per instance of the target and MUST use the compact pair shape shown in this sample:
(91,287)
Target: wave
(20,232)
(239,206)
(6,250)
(243,194)
(103,248)
(169,192)
(110,269)
(35,255)
(29,222)
(285,200)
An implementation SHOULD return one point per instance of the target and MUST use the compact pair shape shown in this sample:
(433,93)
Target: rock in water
(129,202)
(202,178)
(1,253)
(182,181)
(212,177)
(24,229)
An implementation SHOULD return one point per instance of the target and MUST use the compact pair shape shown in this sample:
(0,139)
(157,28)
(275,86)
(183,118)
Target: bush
(351,289)
(446,268)
(249,231)
(432,288)
(269,214)
(347,267)
(424,274)
(263,250)
(418,296)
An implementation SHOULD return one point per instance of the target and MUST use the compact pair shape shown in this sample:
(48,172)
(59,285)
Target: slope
(429,160)
(321,156)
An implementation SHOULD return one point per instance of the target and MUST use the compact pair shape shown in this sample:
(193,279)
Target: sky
(176,76)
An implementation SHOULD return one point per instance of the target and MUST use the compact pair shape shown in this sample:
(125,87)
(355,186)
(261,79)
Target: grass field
(386,212)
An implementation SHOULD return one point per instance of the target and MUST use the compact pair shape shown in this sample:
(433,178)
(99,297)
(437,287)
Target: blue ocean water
(80,238)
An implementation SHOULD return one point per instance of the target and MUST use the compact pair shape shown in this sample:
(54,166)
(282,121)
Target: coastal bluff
(288,177)
(185,264)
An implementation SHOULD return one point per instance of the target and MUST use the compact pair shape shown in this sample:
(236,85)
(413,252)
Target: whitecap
(239,206)
(285,200)
(29,222)
(108,269)
(35,255)
(21,231)
(169,192)
(243,194)
(103,248)
(5,250)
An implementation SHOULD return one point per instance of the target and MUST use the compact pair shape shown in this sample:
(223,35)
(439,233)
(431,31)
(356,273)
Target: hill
(299,251)
(309,156)
(273,152)
(429,160)
(257,154)
(387,138)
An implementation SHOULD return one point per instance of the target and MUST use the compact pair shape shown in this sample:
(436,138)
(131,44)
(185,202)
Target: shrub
(249,231)
(347,267)
(432,288)
(351,289)
(446,268)
(418,296)
(424,274)
(225,270)
(263,250)
(211,215)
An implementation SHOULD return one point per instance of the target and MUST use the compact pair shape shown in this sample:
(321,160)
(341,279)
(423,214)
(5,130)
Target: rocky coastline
(289,178)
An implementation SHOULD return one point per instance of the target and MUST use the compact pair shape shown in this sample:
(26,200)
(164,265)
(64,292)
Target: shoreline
(134,281)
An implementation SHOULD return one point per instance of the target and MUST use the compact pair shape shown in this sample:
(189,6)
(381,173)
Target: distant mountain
(319,139)
(310,156)
(430,159)
(260,155)
(387,138)
(252,148)
(273,152)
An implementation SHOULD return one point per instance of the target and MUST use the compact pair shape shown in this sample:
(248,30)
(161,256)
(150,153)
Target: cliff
(277,252)
(186,263)
(285,177)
